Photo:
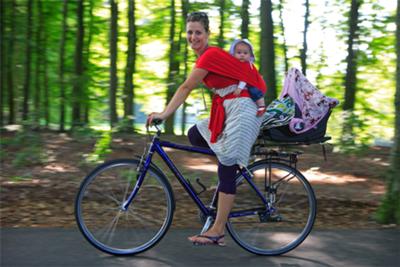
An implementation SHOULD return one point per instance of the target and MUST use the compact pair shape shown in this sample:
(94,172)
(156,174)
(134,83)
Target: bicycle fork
(142,169)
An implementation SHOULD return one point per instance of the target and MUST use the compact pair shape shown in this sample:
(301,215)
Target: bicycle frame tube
(248,178)
(252,211)
(157,146)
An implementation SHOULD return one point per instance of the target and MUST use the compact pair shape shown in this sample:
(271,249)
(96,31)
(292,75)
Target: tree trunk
(28,48)
(2,62)
(87,65)
(303,52)
(267,50)
(347,137)
(221,41)
(244,13)
(78,58)
(113,62)
(39,45)
(389,211)
(129,112)
(172,70)
(282,26)
(185,10)
(351,79)
(10,66)
(322,53)
(46,100)
(64,31)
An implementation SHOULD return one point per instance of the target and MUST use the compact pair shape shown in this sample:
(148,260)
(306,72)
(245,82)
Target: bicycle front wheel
(283,220)
(109,227)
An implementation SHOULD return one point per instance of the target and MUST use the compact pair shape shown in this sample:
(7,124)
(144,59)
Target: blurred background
(97,63)
(91,68)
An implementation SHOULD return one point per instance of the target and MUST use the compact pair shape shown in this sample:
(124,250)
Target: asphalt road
(66,247)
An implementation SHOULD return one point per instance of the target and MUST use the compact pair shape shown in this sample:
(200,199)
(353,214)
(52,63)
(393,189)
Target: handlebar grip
(156,122)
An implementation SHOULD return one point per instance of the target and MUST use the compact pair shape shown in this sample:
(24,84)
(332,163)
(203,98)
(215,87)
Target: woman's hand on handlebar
(154,118)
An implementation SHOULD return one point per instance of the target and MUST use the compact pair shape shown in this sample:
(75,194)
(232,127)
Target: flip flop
(215,240)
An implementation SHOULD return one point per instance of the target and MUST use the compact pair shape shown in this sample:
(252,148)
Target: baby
(243,50)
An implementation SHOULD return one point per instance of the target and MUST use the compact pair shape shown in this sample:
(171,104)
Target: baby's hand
(237,91)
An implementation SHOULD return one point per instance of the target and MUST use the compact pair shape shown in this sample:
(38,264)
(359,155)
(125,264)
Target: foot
(208,238)
(202,240)
(261,110)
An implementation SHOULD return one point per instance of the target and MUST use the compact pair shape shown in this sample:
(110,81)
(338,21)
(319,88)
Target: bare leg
(260,102)
(225,204)
(261,107)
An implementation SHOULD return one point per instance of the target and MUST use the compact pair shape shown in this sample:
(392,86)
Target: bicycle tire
(106,226)
(281,227)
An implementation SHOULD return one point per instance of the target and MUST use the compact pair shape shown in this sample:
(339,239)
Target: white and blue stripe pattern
(241,129)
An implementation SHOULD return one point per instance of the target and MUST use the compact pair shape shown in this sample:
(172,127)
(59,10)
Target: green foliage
(353,138)
(389,210)
(21,178)
(29,149)
(375,73)
(84,134)
(101,149)
(124,125)
(30,155)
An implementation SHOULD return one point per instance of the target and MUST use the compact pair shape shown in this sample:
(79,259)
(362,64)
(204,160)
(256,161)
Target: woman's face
(197,36)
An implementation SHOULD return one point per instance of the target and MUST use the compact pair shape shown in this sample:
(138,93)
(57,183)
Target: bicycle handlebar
(155,123)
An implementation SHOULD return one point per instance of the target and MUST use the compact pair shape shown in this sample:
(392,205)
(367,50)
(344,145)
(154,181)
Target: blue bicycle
(126,206)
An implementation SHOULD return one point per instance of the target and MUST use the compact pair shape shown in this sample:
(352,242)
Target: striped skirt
(240,131)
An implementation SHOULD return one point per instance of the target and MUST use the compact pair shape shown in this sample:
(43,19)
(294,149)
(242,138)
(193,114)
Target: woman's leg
(226,197)
(195,137)
(226,191)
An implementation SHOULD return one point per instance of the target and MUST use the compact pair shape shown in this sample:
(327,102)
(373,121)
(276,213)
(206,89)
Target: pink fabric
(311,102)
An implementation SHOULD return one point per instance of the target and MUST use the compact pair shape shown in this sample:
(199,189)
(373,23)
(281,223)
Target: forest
(76,64)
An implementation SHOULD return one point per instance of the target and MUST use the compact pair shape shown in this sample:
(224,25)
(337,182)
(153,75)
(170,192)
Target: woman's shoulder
(214,50)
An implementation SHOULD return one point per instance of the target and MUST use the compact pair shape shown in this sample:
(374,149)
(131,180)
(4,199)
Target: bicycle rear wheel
(284,221)
(103,222)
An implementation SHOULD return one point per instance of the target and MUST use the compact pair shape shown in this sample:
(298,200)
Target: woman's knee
(195,137)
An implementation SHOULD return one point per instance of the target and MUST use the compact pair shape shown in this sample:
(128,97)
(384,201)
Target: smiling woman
(197,32)
(232,127)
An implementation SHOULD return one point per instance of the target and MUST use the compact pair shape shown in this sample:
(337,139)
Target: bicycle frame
(157,147)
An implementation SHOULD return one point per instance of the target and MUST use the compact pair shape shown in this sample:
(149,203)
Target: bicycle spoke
(113,227)
(106,229)
(105,225)
(287,220)
(127,186)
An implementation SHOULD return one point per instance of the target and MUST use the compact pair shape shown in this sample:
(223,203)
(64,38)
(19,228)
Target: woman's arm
(194,79)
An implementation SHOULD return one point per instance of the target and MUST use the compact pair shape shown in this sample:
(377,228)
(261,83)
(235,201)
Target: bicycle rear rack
(283,151)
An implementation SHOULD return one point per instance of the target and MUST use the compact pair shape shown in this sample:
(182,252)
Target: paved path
(66,247)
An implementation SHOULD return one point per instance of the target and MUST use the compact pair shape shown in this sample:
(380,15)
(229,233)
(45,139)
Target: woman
(233,126)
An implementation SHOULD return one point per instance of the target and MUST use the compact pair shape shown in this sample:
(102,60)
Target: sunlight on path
(313,175)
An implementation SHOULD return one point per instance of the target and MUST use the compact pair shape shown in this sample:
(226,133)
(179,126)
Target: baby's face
(242,52)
